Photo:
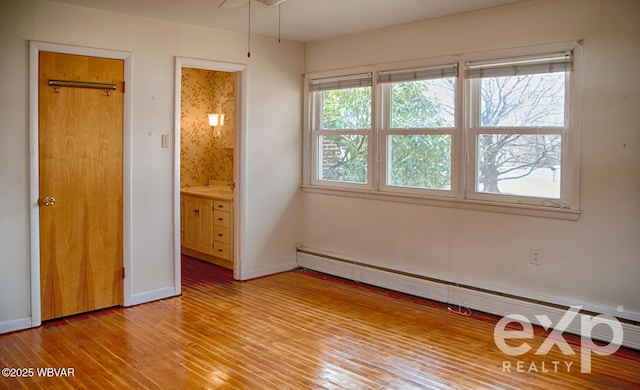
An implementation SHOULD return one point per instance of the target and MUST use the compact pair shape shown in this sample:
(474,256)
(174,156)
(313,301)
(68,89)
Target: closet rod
(82,84)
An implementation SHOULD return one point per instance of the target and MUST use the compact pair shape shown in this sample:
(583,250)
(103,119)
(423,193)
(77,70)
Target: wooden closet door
(80,181)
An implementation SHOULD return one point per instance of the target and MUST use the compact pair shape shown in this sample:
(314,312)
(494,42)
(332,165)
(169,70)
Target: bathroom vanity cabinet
(206,225)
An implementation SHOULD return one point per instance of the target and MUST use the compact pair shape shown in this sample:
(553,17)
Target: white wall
(594,261)
(271,167)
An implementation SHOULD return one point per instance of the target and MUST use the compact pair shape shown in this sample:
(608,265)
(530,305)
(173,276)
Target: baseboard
(258,273)
(153,295)
(480,299)
(14,325)
(137,299)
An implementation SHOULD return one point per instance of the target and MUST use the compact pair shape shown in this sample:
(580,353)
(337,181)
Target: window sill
(465,204)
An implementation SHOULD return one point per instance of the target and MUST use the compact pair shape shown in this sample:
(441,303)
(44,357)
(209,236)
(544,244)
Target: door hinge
(123,273)
(123,86)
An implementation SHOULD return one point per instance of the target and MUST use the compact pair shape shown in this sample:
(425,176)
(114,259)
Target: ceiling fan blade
(271,3)
(232,3)
(240,3)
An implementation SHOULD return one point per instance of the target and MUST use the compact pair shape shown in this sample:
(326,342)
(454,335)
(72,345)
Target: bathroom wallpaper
(204,157)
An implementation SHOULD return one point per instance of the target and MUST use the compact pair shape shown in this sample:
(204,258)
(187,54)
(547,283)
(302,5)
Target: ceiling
(301,20)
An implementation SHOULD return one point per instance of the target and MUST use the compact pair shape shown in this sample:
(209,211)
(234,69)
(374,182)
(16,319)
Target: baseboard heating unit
(456,293)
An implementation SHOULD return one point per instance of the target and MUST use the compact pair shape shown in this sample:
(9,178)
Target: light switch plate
(166,140)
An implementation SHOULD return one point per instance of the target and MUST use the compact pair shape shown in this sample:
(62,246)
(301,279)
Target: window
(418,124)
(496,130)
(518,118)
(341,129)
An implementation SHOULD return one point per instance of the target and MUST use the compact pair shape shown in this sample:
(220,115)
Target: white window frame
(462,194)
(385,130)
(315,106)
(472,118)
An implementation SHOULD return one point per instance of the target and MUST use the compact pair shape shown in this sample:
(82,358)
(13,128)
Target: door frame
(35,48)
(239,157)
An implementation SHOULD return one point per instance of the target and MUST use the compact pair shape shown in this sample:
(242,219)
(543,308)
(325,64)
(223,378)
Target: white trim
(307,138)
(14,325)
(34,218)
(240,162)
(456,203)
(571,153)
(127,178)
(443,289)
(266,271)
(153,295)
(177,262)
(239,159)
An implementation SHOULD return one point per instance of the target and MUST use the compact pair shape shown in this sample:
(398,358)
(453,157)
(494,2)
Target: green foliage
(420,160)
(344,158)
(346,108)
(414,105)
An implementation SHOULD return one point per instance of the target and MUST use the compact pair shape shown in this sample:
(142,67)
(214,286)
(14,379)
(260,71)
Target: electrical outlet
(536,257)
(166,140)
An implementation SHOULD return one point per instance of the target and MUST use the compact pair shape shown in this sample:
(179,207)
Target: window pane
(346,108)
(420,161)
(422,104)
(535,100)
(344,158)
(518,164)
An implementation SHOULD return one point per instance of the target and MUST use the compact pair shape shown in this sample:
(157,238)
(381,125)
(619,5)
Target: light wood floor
(295,330)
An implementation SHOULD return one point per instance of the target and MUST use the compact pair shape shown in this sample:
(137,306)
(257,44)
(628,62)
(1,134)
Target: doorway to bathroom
(210,101)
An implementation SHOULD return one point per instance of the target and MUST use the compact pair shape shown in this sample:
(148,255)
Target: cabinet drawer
(222,205)
(222,250)
(221,234)
(221,218)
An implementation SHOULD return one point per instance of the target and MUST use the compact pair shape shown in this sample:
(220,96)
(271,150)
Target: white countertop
(210,192)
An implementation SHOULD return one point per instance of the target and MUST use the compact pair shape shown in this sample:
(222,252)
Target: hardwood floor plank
(294,330)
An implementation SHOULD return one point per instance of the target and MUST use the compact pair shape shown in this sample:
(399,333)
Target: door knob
(49,201)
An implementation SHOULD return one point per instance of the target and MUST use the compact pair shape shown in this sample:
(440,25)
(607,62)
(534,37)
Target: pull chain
(249,36)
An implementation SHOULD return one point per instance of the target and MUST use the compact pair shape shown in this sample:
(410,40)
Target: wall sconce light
(216,121)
